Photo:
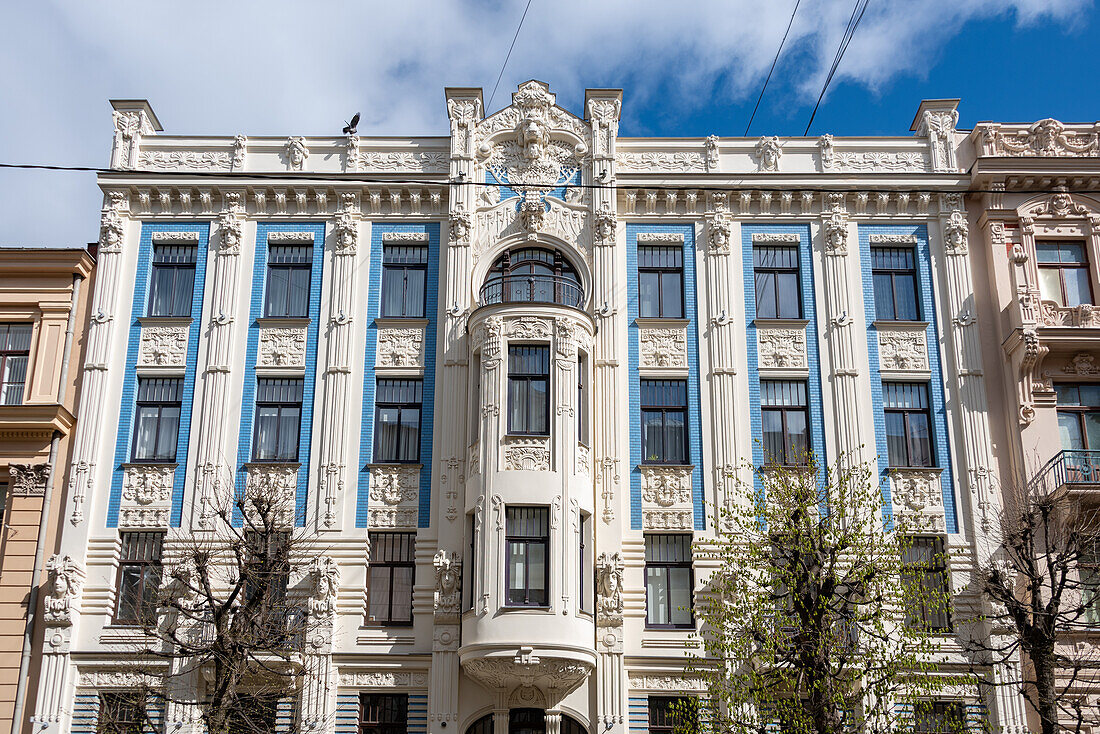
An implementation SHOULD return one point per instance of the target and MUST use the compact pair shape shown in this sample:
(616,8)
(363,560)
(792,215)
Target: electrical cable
(776,59)
(508,56)
(853,23)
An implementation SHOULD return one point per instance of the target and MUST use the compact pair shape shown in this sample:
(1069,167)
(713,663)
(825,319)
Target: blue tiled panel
(695,423)
(638,713)
(248,396)
(124,441)
(284,714)
(347,713)
(427,411)
(813,360)
(418,713)
(507,192)
(932,339)
(85,713)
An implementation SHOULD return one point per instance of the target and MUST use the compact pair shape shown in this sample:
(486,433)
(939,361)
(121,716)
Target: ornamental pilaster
(133,119)
(935,121)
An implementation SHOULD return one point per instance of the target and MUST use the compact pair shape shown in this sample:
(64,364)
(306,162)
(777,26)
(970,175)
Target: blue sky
(687,68)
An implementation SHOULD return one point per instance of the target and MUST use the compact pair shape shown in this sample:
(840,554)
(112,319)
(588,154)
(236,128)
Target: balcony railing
(1069,467)
(532,289)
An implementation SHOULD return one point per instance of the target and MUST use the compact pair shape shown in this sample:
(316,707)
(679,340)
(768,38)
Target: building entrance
(526,721)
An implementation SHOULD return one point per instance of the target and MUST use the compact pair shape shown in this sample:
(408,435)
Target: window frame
(774,272)
(667,567)
(403,268)
(279,405)
(1088,578)
(940,708)
(529,378)
(417,385)
(400,713)
(130,701)
(660,271)
(905,413)
(399,540)
(290,267)
(893,273)
(502,273)
(166,264)
(527,541)
(804,409)
(1079,411)
(936,567)
(645,409)
(661,709)
(1062,266)
(160,405)
(150,545)
(8,355)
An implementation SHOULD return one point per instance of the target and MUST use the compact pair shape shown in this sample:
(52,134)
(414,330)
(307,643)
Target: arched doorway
(526,721)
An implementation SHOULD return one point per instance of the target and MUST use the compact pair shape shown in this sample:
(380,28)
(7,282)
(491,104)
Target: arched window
(533,275)
(526,721)
(484,725)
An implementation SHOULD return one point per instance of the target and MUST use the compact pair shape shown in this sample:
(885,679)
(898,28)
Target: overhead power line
(853,22)
(776,59)
(509,55)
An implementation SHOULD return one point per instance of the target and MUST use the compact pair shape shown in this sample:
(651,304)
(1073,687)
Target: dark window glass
(121,712)
(894,273)
(939,717)
(583,564)
(669,581)
(925,573)
(1079,415)
(664,421)
(908,423)
(786,422)
(397,421)
(660,282)
(278,419)
(778,295)
(1088,568)
(139,571)
(288,273)
(529,390)
(267,576)
(3,501)
(15,348)
(157,418)
(665,714)
(528,570)
(254,714)
(533,275)
(172,280)
(383,713)
(404,274)
(1064,273)
(391,578)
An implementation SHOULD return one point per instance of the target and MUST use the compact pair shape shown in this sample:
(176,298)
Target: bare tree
(1043,585)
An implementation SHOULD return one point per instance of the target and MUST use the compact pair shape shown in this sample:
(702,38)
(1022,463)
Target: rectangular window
(139,571)
(785,420)
(254,713)
(908,423)
(584,564)
(664,421)
(15,348)
(391,578)
(383,713)
(528,571)
(939,717)
(894,274)
(267,575)
(120,712)
(925,574)
(289,268)
(278,419)
(582,398)
(1079,415)
(665,714)
(157,423)
(397,421)
(1064,273)
(660,282)
(404,273)
(669,581)
(1088,568)
(172,280)
(529,390)
(778,295)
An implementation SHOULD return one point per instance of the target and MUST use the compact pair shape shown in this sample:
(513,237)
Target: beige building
(43,310)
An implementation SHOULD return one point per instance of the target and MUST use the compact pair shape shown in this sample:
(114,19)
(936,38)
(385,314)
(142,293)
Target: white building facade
(508,377)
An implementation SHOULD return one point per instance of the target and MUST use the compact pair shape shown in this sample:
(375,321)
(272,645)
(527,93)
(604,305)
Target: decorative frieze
(663,682)
(663,348)
(415,237)
(194,160)
(528,327)
(28,480)
(526,453)
(394,496)
(163,345)
(181,238)
(286,238)
(127,678)
(676,162)
(917,498)
(282,346)
(146,495)
(893,239)
(775,238)
(1046,138)
(664,485)
(1086,314)
(902,348)
(667,520)
(781,347)
(383,679)
(405,162)
(401,347)
(660,238)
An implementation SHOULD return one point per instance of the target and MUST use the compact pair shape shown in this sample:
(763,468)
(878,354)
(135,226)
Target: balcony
(532,288)
(1075,472)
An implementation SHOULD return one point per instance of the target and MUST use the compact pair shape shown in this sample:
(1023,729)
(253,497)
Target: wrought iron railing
(1068,467)
(532,289)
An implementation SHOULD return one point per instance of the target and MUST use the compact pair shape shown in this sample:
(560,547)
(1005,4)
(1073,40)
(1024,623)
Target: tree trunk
(1046,690)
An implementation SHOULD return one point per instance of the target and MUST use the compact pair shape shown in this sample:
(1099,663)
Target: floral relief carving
(683,161)
(1081,364)
(276,483)
(394,484)
(917,497)
(369,679)
(184,159)
(118,679)
(28,480)
(163,346)
(401,347)
(1048,138)
(877,160)
(666,486)
(416,162)
(902,350)
(145,484)
(528,327)
(667,520)
(781,348)
(282,346)
(526,453)
(660,347)
(643,682)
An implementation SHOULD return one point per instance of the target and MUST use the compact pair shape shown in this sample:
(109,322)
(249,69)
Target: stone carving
(296,153)
(1047,138)
(658,238)
(710,146)
(663,348)
(1061,204)
(111,231)
(718,234)
(324,583)
(184,159)
(28,480)
(879,160)
(666,486)
(528,327)
(1051,314)
(143,517)
(186,238)
(417,162)
(526,453)
(917,497)
(768,152)
(275,483)
(148,483)
(526,669)
(609,590)
(565,339)
(533,211)
(66,578)
(240,151)
(346,232)
(394,484)
(163,346)
(460,225)
(605,225)
(781,348)
(584,460)
(290,237)
(893,239)
(231,229)
(282,346)
(939,127)
(364,679)
(955,230)
(396,518)
(772,238)
(836,234)
(401,347)
(118,679)
(902,350)
(680,162)
(667,520)
(130,125)
(644,682)
(448,586)
(1081,364)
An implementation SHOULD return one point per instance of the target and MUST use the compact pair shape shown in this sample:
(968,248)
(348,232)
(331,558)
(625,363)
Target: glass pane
(787,286)
(671,296)
(680,595)
(289,419)
(13,380)
(536,574)
(517,405)
(895,439)
(905,288)
(1092,431)
(1047,252)
(379,594)
(517,563)
(765,296)
(129,593)
(1088,395)
(150,589)
(1050,286)
(1078,290)
(675,438)
(1069,429)
(884,296)
(146,432)
(298,297)
(653,448)
(409,449)
(539,395)
(648,303)
(772,426)
(393,283)
(160,294)
(385,445)
(414,293)
(278,282)
(920,440)
(656,595)
(402,594)
(182,291)
(798,437)
(169,431)
(267,423)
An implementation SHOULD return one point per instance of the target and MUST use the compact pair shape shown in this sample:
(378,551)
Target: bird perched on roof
(350,127)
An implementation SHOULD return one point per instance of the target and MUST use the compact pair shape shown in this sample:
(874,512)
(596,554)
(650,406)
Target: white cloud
(210,66)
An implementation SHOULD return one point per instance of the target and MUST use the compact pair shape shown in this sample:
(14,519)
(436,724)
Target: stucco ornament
(939,126)
(282,346)
(781,348)
(1047,138)
(230,228)
(148,483)
(918,498)
(1081,364)
(605,225)
(296,152)
(448,586)
(163,346)
(768,152)
(111,231)
(609,590)
(272,483)
(718,234)
(460,225)
(324,583)
(240,152)
(711,147)
(401,347)
(666,486)
(526,454)
(29,480)
(661,347)
(66,578)
(347,233)
(533,210)
(527,327)
(955,231)
(836,234)
(394,484)
(903,350)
